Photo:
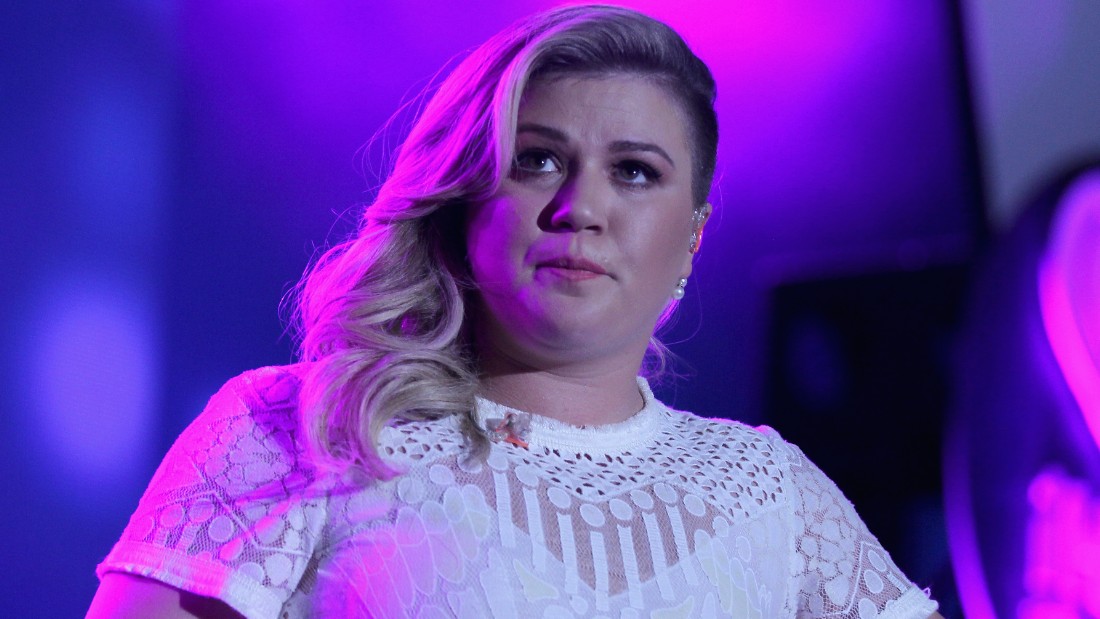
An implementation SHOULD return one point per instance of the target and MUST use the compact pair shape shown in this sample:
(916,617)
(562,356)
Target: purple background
(169,170)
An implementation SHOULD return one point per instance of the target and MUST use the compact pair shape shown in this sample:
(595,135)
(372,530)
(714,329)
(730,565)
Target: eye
(535,162)
(636,173)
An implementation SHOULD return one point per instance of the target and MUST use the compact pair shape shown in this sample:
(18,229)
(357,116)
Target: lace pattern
(696,518)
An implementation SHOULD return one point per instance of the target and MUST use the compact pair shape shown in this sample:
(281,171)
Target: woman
(538,225)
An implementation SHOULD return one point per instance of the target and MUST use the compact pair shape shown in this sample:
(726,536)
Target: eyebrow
(622,146)
(546,132)
(618,146)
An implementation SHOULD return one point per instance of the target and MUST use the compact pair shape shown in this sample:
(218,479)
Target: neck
(580,395)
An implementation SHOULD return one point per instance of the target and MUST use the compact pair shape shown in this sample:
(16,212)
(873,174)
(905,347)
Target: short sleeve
(232,512)
(840,569)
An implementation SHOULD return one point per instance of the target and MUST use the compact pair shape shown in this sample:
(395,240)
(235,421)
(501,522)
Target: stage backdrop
(169,170)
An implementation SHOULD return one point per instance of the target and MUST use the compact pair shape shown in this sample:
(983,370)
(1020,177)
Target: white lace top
(664,515)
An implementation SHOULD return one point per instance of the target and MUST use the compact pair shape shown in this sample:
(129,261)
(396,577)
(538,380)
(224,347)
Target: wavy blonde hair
(382,315)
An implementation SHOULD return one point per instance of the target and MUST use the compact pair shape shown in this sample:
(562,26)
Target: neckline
(553,433)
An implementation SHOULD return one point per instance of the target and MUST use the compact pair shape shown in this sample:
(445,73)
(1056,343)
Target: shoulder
(411,443)
(265,397)
(260,391)
(747,461)
(247,436)
(235,509)
(264,402)
(717,437)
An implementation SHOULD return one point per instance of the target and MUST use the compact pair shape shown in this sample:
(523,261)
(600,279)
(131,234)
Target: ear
(698,220)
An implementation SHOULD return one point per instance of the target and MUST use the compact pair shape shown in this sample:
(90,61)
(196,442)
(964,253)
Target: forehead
(616,106)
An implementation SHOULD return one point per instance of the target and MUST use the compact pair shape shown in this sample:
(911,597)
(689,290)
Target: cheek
(483,229)
(664,240)
(665,253)
(491,233)
(676,237)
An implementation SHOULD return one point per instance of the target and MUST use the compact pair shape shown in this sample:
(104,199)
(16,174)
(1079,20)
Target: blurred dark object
(859,379)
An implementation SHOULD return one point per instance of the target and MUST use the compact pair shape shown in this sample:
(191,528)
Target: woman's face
(578,253)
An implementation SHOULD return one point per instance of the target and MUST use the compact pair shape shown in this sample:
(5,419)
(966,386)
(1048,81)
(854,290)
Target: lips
(570,267)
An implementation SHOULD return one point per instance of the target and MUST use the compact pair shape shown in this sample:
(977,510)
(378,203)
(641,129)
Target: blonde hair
(382,315)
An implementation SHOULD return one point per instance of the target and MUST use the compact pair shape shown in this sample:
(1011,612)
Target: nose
(580,204)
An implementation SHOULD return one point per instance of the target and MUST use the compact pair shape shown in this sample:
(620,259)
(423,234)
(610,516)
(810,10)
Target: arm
(231,492)
(842,565)
(124,596)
